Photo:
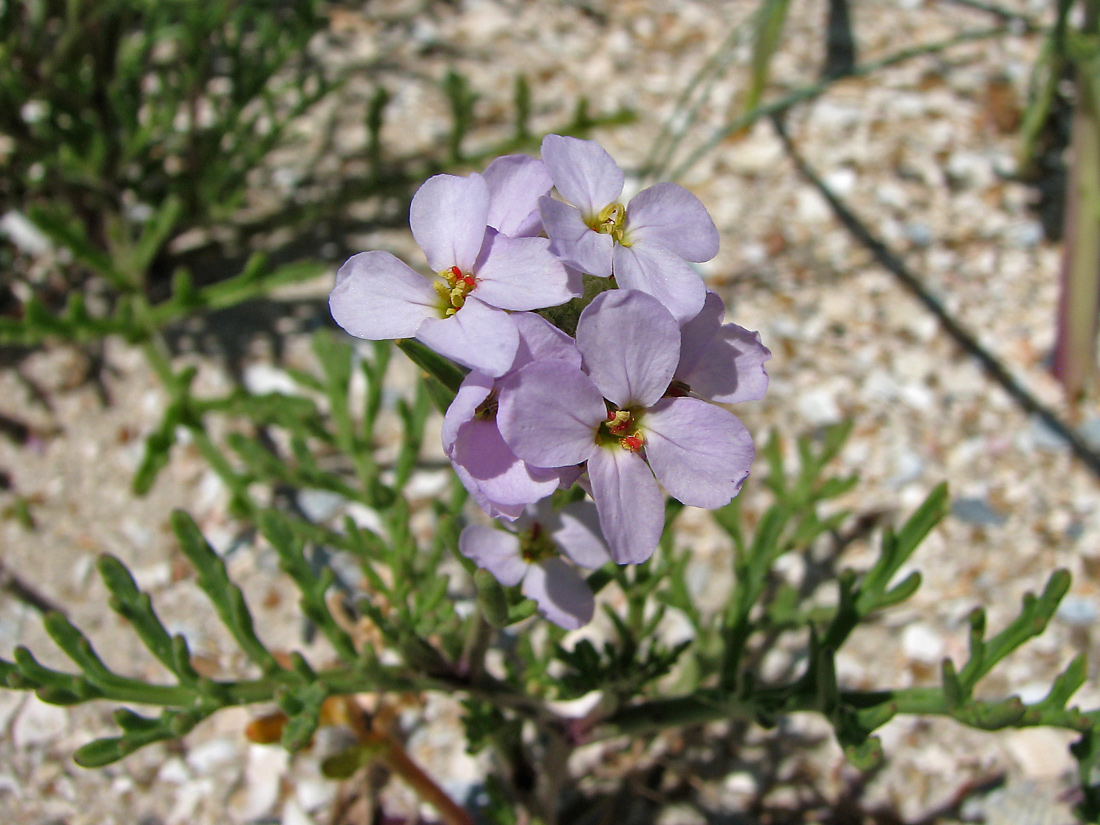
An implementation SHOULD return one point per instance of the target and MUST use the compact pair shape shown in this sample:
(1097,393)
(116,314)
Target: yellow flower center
(453,290)
(611,221)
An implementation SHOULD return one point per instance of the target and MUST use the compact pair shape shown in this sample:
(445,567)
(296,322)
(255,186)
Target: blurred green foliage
(134,121)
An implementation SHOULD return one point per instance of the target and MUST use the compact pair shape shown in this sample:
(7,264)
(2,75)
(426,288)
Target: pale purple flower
(720,362)
(530,554)
(614,415)
(461,225)
(499,482)
(646,244)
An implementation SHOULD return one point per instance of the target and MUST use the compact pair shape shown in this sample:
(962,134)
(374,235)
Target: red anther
(468,280)
(632,443)
(611,415)
(456,272)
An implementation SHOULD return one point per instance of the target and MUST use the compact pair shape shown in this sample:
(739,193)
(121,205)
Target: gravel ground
(922,151)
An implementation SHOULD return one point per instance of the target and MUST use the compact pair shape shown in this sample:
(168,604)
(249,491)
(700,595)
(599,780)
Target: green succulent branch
(628,668)
(855,715)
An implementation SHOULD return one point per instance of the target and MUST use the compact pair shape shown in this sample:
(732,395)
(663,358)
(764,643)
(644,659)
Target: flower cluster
(624,408)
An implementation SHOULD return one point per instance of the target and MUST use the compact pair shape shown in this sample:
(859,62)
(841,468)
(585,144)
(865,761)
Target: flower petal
(496,551)
(521,274)
(378,297)
(570,475)
(670,216)
(516,182)
(474,389)
(656,271)
(448,217)
(630,345)
(549,413)
(629,503)
(576,530)
(539,340)
(562,595)
(731,369)
(573,241)
(584,174)
(478,336)
(504,512)
(696,334)
(493,467)
(699,452)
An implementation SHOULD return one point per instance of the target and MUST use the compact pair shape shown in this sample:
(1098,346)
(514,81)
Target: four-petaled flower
(460,225)
(646,244)
(615,416)
(530,553)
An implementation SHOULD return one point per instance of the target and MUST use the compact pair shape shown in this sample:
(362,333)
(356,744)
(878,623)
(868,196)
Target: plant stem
(703,707)
(1079,303)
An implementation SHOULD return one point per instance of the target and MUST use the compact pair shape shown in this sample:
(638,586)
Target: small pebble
(39,723)
(320,505)
(208,757)
(977,511)
(922,643)
(1078,611)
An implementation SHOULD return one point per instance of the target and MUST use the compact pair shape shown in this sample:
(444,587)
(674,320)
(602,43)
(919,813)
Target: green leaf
(290,548)
(898,547)
(62,684)
(1067,683)
(954,691)
(135,723)
(137,608)
(904,589)
(155,233)
(491,598)
(100,752)
(223,594)
(521,99)
(71,234)
(866,756)
(991,715)
(769,29)
(523,610)
(461,98)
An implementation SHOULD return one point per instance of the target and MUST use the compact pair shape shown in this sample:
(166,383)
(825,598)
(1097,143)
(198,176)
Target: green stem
(703,707)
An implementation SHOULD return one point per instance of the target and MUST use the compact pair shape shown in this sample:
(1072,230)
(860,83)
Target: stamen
(487,409)
(619,422)
(611,221)
(634,443)
(455,290)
